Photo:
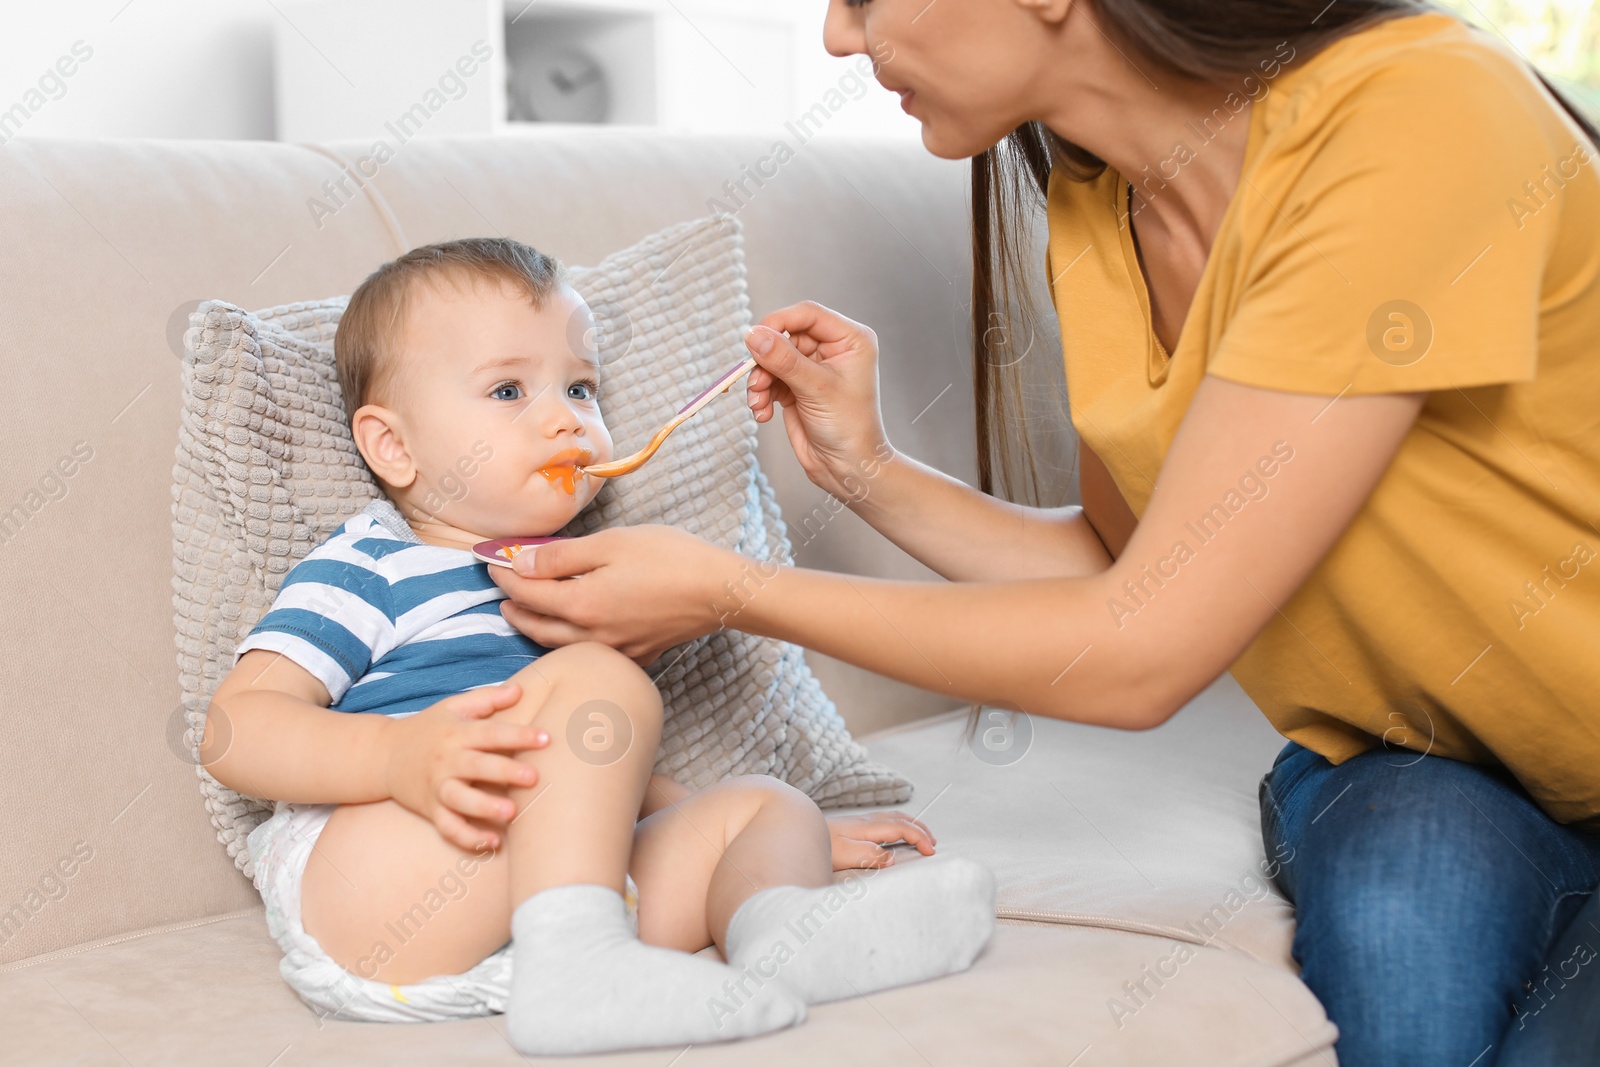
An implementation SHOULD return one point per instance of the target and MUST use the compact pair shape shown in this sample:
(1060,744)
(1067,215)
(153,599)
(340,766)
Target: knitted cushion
(266,469)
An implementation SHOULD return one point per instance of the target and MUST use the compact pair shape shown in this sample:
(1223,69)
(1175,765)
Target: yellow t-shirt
(1414,213)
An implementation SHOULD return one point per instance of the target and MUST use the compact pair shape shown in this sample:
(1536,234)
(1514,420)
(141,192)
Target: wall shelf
(374,69)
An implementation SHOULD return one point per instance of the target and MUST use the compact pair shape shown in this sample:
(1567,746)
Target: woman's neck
(1181,143)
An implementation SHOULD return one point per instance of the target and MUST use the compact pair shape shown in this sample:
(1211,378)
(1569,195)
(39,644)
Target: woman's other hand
(825,377)
(640,589)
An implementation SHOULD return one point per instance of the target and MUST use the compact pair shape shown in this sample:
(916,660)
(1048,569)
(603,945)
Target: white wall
(877,113)
(158,68)
(203,68)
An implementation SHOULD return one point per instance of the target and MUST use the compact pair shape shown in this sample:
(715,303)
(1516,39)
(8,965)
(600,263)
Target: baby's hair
(364,343)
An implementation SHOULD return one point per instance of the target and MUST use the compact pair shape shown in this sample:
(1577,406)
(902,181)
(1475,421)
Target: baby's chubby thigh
(598,706)
(603,715)
(389,898)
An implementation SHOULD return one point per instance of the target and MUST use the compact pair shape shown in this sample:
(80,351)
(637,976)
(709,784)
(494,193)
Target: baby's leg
(697,861)
(388,898)
(746,863)
(581,980)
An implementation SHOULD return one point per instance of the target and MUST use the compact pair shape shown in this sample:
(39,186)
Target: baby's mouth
(561,470)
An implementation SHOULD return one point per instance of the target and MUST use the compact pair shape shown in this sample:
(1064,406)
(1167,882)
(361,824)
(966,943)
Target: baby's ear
(378,436)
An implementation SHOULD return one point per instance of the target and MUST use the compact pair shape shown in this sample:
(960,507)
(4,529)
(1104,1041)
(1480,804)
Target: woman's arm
(1274,476)
(1103,503)
(822,370)
(1131,645)
(966,536)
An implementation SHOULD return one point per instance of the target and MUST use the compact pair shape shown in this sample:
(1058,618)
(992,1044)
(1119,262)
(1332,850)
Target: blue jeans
(1442,916)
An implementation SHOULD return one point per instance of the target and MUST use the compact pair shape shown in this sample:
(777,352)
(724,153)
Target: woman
(1329,294)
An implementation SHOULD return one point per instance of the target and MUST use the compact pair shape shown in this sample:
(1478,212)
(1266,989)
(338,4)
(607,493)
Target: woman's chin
(941,143)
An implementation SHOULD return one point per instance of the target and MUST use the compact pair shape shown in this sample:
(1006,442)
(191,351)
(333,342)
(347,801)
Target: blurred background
(335,69)
(329,69)
(1562,37)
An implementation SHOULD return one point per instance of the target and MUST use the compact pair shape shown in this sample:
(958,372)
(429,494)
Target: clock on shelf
(558,85)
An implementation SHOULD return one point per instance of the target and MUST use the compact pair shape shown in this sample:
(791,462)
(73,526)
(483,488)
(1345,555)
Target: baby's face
(499,401)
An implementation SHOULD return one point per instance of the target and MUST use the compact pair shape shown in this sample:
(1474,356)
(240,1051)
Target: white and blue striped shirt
(389,623)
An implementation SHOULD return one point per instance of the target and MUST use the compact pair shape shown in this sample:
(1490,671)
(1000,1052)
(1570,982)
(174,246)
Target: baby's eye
(590,387)
(507,391)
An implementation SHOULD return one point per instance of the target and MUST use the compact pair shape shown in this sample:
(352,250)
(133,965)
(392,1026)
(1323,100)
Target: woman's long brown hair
(1203,40)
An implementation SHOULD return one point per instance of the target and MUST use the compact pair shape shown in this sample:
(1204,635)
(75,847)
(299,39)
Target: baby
(483,761)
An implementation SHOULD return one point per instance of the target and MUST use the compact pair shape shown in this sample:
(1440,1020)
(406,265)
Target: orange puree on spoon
(628,464)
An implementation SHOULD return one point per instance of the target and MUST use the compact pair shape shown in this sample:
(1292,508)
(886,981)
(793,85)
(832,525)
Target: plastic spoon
(629,464)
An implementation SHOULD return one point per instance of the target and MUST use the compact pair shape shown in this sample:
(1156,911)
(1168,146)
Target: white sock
(582,981)
(887,927)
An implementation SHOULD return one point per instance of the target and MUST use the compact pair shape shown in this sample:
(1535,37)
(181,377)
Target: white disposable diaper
(280,847)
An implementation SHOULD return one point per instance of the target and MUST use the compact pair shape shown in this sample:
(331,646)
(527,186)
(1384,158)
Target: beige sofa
(1137,927)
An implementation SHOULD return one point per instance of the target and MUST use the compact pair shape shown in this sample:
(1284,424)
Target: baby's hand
(436,754)
(858,840)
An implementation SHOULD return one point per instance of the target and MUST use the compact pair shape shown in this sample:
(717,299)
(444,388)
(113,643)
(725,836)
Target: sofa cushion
(1037,995)
(1114,979)
(266,469)
(1155,833)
